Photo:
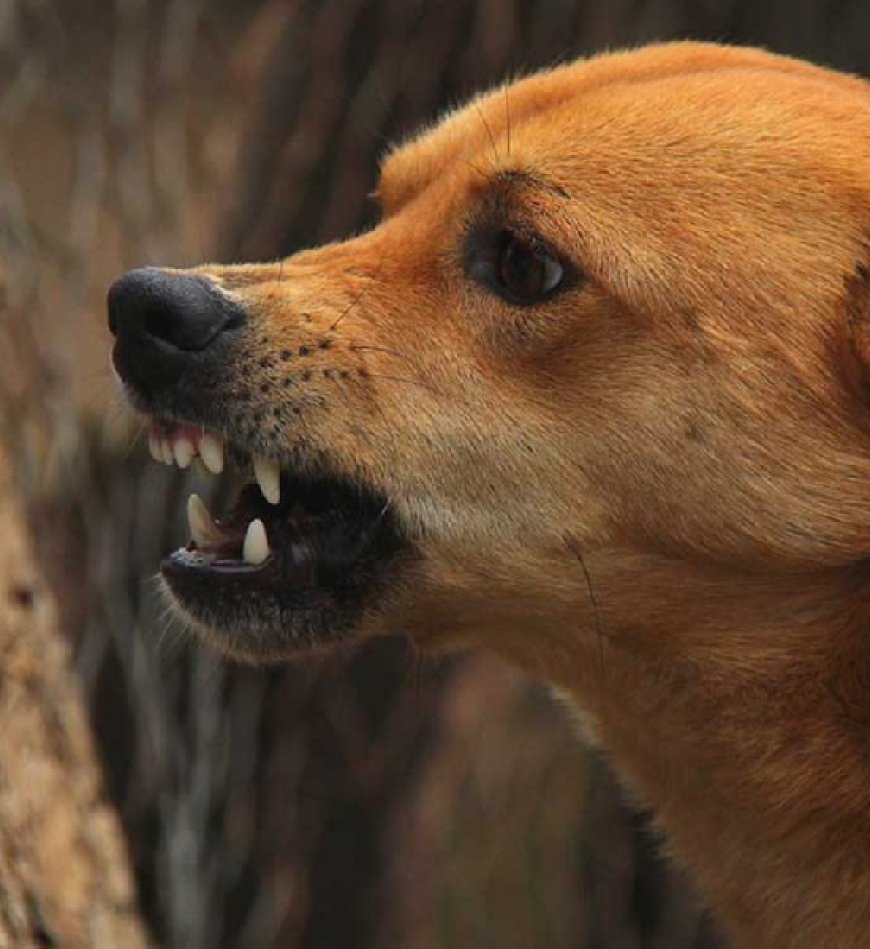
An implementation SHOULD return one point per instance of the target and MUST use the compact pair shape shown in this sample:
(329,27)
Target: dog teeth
(183,452)
(154,447)
(256,546)
(268,474)
(181,445)
(203,529)
(166,451)
(211,450)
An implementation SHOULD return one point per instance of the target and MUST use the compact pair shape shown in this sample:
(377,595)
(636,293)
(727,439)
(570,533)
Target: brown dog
(595,395)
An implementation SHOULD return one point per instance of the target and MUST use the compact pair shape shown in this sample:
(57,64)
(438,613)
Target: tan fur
(653,490)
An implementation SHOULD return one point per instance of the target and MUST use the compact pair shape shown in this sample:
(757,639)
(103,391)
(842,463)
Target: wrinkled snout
(163,322)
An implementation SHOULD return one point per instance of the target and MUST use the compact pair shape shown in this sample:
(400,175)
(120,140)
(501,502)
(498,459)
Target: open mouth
(296,558)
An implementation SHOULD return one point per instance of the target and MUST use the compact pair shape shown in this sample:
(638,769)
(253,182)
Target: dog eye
(527,273)
(521,270)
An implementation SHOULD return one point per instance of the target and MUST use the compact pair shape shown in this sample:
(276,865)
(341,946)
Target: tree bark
(64,876)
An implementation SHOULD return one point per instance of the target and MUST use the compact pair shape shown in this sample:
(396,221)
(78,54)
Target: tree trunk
(64,877)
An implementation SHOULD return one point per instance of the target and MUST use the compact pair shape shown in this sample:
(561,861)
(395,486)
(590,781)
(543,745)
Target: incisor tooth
(154,447)
(268,474)
(166,451)
(211,450)
(256,546)
(183,452)
(203,529)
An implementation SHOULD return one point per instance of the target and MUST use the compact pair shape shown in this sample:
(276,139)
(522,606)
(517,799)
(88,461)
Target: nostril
(185,311)
(161,322)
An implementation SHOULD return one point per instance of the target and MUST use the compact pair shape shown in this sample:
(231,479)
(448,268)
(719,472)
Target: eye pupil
(525,272)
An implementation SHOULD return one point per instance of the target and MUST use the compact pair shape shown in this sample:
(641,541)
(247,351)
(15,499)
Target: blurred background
(378,800)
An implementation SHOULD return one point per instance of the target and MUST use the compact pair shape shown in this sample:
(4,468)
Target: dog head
(616,308)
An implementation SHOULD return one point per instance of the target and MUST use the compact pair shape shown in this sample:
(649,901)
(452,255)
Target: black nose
(162,322)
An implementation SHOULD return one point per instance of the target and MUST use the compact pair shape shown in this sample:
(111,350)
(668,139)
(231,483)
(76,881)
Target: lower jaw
(257,624)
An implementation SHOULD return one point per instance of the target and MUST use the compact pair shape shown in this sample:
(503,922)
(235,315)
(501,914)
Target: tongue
(225,542)
(204,531)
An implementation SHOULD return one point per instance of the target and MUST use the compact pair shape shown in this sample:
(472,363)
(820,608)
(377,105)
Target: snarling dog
(594,395)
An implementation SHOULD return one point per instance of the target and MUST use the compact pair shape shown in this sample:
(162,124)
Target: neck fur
(739,707)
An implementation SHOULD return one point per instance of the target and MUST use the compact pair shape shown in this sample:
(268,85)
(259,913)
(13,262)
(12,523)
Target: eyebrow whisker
(507,114)
(488,128)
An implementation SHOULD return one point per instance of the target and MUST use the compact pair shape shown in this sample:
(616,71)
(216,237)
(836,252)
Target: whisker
(475,168)
(172,635)
(134,442)
(507,112)
(571,544)
(350,306)
(172,631)
(368,533)
(380,349)
(488,128)
(353,303)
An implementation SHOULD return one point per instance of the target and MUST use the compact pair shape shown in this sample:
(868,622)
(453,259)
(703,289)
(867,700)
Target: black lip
(336,546)
(221,582)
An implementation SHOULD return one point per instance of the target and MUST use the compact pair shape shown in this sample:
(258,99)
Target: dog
(593,395)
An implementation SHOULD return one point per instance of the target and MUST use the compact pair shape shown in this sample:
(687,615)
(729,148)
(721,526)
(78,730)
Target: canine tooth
(183,452)
(211,450)
(203,529)
(268,473)
(256,546)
